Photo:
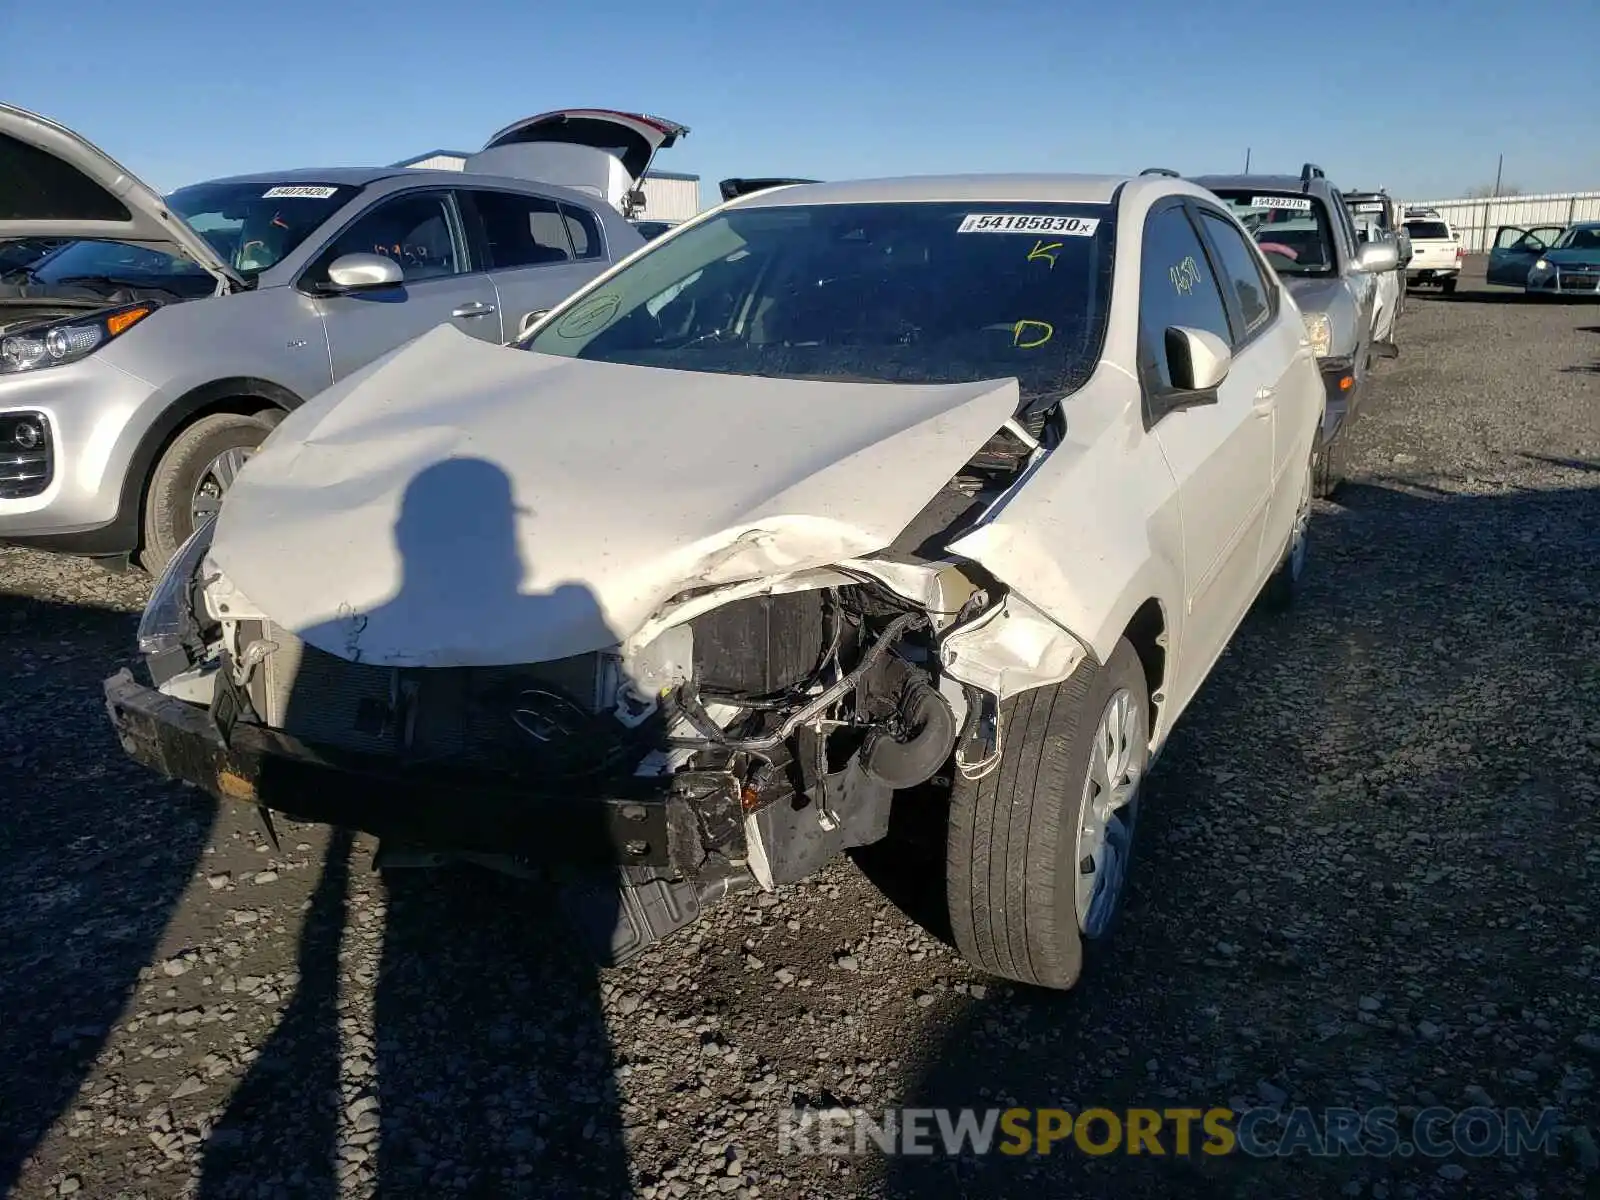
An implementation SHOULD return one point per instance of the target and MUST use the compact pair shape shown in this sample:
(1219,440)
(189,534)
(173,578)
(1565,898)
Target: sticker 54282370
(1293,203)
(299,191)
(1028,223)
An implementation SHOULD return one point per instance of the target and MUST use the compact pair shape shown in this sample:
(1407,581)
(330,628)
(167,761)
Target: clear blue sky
(1416,96)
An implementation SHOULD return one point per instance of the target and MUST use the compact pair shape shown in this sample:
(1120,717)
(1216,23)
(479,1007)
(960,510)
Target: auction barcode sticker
(1294,203)
(1028,223)
(1370,206)
(299,192)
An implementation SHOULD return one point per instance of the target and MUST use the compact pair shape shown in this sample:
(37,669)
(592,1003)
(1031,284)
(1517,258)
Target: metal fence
(1476,220)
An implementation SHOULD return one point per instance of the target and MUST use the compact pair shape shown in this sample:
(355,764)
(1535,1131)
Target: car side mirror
(1197,363)
(529,320)
(363,272)
(1375,257)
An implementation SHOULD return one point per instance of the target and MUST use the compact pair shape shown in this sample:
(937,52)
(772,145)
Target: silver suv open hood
(55,184)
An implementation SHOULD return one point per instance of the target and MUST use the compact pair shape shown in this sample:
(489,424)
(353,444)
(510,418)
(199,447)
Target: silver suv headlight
(68,340)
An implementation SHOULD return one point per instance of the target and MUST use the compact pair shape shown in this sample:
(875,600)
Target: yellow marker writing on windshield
(1020,326)
(1045,251)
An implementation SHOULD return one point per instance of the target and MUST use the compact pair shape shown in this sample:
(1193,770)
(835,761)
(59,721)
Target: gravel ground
(1369,877)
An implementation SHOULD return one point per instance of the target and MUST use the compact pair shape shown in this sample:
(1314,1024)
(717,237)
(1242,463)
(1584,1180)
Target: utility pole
(1497,168)
(1247,160)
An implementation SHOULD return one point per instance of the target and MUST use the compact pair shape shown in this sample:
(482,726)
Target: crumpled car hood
(459,503)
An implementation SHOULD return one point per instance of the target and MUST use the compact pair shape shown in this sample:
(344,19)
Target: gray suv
(144,360)
(1306,232)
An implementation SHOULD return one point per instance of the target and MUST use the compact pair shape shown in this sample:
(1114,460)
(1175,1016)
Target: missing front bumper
(686,826)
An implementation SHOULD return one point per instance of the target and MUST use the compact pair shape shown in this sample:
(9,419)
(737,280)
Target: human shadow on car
(94,858)
(488,1066)
(1389,784)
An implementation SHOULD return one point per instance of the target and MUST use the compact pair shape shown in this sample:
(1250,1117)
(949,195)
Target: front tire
(1327,468)
(190,478)
(1038,849)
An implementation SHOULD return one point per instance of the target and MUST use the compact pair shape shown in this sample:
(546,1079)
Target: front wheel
(1039,848)
(190,478)
(1327,468)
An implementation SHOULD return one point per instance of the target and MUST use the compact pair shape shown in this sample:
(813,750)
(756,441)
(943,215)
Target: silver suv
(143,361)
(1303,226)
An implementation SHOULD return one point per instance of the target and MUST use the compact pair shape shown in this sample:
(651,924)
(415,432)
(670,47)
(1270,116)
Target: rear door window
(521,230)
(1428,230)
(583,227)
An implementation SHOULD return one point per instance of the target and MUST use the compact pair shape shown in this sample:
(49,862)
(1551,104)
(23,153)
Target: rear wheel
(1038,850)
(1449,286)
(189,480)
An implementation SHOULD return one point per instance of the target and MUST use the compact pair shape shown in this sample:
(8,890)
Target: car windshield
(116,263)
(1579,237)
(1290,227)
(252,226)
(894,292)
(1423,231)
(1376,209)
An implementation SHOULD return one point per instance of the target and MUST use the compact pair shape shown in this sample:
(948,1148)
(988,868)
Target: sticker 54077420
(1028,223)
(299,191)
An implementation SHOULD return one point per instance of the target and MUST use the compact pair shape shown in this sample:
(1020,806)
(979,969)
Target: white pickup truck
(1435,250)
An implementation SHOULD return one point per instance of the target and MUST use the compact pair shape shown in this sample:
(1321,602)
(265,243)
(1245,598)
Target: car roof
(1266,183)
(988,189)
(355,176)
(366,176)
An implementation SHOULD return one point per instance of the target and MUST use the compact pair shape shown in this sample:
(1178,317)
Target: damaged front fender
(1010,648)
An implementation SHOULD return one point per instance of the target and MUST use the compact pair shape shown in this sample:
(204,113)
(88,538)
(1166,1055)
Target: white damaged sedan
(840,490)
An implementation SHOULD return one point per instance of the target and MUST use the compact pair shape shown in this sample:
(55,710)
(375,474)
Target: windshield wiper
(110,280)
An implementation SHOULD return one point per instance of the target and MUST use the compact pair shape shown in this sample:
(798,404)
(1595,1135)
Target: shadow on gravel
(300,1059)
(493,1067)
(1446,785)
(94,856)
(1572,464)
(908,865)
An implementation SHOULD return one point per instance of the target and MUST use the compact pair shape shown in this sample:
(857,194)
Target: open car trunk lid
(593,150)
(54,184)
(631,138)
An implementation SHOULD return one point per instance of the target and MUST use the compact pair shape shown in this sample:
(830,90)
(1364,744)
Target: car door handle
(1263,402)
(476,308)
